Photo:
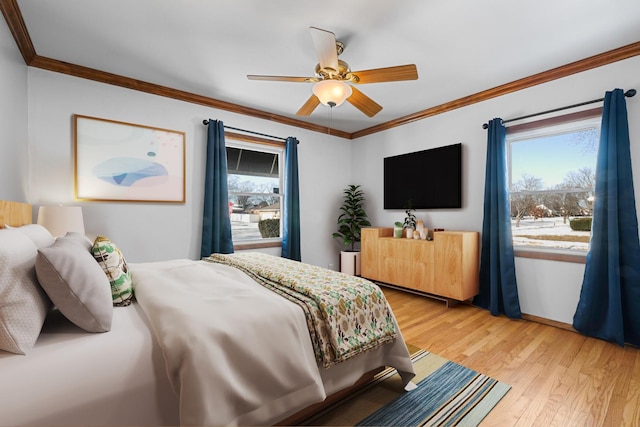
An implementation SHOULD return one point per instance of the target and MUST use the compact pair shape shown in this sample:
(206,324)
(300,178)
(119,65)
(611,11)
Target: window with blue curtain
(258,202)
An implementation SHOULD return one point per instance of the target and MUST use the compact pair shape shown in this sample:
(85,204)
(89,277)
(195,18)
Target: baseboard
(549,322)
(453,303)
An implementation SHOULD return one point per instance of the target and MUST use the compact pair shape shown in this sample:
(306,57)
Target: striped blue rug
(447,394)
(453,395)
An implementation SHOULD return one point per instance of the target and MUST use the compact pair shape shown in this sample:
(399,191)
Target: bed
(219,348)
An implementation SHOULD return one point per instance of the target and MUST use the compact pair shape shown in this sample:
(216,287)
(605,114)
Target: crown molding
(589,63)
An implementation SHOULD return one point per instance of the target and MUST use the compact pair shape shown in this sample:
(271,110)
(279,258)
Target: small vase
(409,233)
(424,233)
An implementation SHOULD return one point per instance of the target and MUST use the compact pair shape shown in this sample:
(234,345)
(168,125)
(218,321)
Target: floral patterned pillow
(115,267)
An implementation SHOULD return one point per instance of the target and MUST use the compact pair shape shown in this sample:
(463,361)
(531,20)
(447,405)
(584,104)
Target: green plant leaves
(353,216)
(410,218)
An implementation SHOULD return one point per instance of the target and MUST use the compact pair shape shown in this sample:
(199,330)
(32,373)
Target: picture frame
(125,162)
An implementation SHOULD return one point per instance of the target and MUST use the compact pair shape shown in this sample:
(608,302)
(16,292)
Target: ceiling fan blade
(325,44)
(387,74)
(308,106)
(280,78)
(363,103)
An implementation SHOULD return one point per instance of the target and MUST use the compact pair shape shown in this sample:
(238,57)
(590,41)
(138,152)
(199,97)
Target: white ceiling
(208,47)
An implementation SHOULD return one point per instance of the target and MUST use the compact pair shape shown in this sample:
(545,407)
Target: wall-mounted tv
(428,179)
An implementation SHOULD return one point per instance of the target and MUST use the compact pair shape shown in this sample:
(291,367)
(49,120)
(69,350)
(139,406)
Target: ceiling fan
(333,80)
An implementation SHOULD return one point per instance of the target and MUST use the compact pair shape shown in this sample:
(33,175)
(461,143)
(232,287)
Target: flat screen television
(428,179)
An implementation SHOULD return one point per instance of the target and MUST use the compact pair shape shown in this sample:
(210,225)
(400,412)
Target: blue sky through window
(551,158)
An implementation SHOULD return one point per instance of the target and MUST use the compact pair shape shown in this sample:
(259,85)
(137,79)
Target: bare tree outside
(587,140)
(522,202)
(580,203)
(240,198)
(567,200)
(248,193)
(268,190)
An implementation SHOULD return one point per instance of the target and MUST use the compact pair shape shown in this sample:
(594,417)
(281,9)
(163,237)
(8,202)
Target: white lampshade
(332,92)
(61,219)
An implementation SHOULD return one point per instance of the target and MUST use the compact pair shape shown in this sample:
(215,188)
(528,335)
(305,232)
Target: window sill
(579,257)
(257,244)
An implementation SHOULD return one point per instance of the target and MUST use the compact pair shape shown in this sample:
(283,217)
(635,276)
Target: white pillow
(24,304)
(76,283)
(37,233)
(80,238)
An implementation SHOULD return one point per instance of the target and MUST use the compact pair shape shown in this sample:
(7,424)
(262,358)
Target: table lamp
(61,219)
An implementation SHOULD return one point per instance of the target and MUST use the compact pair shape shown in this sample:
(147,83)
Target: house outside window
(255,182)
(552,167)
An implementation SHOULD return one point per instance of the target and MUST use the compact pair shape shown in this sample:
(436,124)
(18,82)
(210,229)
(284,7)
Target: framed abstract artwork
(117,161)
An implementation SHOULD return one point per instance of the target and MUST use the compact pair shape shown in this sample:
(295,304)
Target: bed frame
(299,417)
(15,214)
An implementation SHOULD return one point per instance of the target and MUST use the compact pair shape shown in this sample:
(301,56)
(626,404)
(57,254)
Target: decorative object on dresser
(409,221)
(445,267)
(350,223)
(424,232)
(398,229)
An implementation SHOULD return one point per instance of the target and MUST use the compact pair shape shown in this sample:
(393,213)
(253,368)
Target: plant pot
(409,233)
(350,262)
(398,231)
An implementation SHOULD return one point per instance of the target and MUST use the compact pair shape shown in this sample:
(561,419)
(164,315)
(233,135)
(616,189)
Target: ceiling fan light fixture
(332,92)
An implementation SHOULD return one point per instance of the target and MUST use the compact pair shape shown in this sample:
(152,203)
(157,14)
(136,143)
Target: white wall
(547,289)
(14,149)
(152,231)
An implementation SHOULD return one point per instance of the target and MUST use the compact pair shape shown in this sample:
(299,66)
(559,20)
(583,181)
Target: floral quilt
(346,315)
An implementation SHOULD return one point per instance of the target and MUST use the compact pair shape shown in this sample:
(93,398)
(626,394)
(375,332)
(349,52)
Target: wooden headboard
(15,214)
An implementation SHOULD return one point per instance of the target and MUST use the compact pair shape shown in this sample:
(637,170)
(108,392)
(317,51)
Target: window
(255,179)
(552,167)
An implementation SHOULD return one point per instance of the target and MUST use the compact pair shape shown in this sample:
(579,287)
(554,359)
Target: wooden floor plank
(536,392)
(558,377)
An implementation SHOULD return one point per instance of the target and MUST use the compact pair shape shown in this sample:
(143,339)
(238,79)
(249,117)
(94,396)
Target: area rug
(447,394)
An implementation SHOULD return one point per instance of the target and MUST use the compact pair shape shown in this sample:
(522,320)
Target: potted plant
(350,221)
(409,222)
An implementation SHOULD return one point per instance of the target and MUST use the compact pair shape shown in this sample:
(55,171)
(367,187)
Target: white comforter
(237,353)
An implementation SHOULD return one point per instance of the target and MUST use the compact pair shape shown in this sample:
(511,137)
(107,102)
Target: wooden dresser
(446,266)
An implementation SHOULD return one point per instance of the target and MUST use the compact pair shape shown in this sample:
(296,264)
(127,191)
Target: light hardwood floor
(558,377)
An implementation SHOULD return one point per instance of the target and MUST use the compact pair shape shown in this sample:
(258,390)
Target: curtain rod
(206,122)
(630,93)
